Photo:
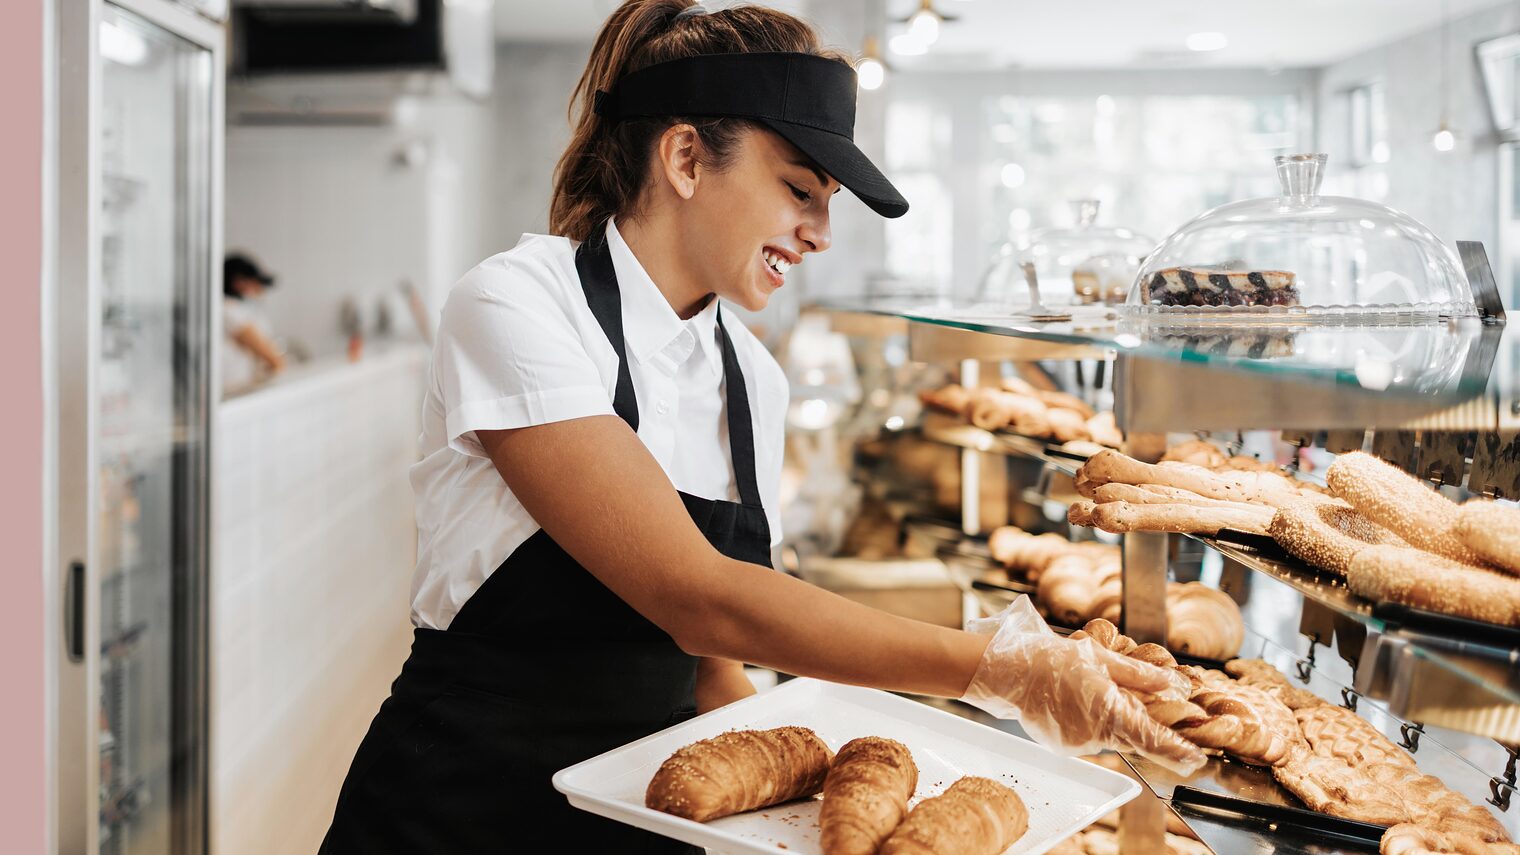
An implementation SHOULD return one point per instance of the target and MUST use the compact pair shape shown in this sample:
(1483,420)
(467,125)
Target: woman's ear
(678,152)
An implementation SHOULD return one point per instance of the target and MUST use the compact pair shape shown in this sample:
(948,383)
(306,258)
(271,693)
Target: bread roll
(1065,401)
(952,398)
(739,771)
(1104,430)
(1492,530)
(1197,452)
(1018,386)
(976,816)
(1327,536)
(1401,574)
(1066,425)
(1423,517)
(866,795)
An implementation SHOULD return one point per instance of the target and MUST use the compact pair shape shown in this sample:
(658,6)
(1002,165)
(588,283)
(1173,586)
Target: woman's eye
(801,194)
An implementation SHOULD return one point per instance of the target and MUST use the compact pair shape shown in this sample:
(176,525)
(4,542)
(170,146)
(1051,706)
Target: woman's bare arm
(594,487)
(720,682)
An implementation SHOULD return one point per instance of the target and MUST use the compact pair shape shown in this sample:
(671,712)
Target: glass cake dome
(1302,256)
(1083,263)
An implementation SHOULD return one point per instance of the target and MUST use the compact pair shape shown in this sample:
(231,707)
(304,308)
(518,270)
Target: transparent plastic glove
(1072,696)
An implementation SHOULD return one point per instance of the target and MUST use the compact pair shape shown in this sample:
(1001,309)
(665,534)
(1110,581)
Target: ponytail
(605,167)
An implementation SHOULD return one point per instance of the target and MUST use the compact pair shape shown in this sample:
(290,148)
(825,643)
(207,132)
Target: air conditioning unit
(350,61)
(397,11)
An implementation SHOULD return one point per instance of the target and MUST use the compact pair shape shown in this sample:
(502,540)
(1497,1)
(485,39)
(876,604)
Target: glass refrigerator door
(151,437)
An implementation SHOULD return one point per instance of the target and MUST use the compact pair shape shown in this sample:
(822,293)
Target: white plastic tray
(1063,794)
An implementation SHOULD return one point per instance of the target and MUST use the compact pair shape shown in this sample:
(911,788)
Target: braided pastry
(1261,675)
(865,795)
(1066,589)
(1410,839)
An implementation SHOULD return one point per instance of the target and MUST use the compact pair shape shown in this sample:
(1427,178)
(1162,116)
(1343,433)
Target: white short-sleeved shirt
(239,366)
(518,346)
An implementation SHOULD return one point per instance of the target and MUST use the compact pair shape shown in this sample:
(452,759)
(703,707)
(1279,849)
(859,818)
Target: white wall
(1455,193)
(337,212)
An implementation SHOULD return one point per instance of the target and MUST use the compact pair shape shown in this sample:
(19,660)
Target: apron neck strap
(593,262)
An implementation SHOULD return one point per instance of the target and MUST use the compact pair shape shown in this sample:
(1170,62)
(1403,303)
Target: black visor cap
(808,100)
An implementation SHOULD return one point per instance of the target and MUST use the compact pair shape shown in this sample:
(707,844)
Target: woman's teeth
(777,263)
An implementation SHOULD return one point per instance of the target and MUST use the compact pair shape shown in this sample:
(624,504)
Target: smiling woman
(597,498)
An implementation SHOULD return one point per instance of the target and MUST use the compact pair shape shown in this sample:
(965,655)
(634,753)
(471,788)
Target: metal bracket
(1395,446)
(1502,788)
(1480,274)
(1348,699)
(1496,465)
(1409,736)
(1443,456)
(1305,666)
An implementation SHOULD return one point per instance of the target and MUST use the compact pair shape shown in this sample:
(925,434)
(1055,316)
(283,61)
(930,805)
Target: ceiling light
(1444,140)
(1013,176)
(924,26)
(871,73)
(1207,41)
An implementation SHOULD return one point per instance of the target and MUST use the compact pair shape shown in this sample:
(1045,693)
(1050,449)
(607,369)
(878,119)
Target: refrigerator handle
(74,611)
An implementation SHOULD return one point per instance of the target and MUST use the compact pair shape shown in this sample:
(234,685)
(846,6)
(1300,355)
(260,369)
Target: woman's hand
(720,682)
(1072,696)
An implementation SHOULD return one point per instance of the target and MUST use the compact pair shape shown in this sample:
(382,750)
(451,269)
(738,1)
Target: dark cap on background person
(237,266)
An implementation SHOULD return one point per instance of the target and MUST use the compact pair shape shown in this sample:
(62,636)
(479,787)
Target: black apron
(542,668)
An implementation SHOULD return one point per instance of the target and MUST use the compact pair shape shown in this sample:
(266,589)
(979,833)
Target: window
(981,171)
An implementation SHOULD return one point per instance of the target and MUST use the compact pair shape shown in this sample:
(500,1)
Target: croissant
(976,816)
(866,795)
(1066,589)
(1203,622)
(739,771)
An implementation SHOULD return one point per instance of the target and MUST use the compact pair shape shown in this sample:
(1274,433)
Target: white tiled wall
(315,545)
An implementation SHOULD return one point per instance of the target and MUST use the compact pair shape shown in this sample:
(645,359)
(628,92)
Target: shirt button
(662,407)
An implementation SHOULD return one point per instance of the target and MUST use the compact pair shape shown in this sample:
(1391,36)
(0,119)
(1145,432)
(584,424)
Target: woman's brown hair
(606,164)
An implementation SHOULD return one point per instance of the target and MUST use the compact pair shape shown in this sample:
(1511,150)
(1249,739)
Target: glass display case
(1082,264)
(1302,256)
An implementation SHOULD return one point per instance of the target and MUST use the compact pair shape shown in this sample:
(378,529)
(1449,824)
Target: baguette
(1155,494)
(1267,488)
(976,816)
(1401,574)
(739,771)
(1492,531)
(1400,503)
(1327,536)
(866,795)
(1188,519)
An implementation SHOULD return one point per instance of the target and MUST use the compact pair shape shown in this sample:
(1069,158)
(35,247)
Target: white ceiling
(1091,33)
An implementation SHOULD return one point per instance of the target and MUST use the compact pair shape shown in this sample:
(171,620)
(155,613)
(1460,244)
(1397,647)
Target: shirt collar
(649,323)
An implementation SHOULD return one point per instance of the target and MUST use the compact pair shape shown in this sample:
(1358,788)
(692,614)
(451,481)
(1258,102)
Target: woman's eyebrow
(823,178)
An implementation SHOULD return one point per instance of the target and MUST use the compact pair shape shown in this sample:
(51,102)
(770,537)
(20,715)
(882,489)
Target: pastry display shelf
(1438,375)
(1451,675)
